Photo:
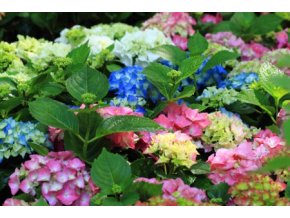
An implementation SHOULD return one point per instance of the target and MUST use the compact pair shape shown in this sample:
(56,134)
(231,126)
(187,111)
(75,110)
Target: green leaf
(243,19)
(51,89)
(256,97)
(126,124)
(87,80)
(284,61)
(73,143)
(129,198)
(197,44)
(157,75)
(286,129)
(39,149)
(143,168)
(53,113)
(280,80)
(265,23)
(80,54)
(158,109)
(200,168)
(187,92)
(170,53)
(269,73)
(10,104)
(113,67)
(199,107)
(147,190)
(41,202)
(287,190)
(4,177)
(189,66)
(219,193)
(277,163)
(224,26)
(219,58)
(111,169)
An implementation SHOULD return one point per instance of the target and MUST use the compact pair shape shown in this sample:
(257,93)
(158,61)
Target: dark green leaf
(53,113)
(51,89)
(280,162)
(126,124)
(284,61)
(147,190)
(219,193)
(219,58)
(113,67)
(111,169)
(87,80)
(189,66)
(243,19)
(265,23)
(80,54)
(187,92)
(287,190)
(286,129)
(143,168)
(39,149)
(41,202)
(200,168)
(10,104)
(158,109)
(197,44)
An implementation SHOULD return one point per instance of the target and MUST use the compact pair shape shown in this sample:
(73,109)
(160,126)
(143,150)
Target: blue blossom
(131,87)
(15,137)
(240,81)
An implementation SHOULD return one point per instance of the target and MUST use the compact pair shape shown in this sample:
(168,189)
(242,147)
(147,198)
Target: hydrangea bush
(181,110)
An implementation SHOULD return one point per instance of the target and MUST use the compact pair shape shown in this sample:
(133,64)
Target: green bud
(174,74)
(4,90)
(89,98)
(116,189)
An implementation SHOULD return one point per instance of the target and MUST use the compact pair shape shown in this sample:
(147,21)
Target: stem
(86,143)
(165,169)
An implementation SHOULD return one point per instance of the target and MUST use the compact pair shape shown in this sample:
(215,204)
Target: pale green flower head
(216,98)
(246,67)
(225,131)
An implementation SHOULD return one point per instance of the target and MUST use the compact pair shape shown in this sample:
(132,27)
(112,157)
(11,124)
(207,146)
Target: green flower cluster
(226,131)
(216,98)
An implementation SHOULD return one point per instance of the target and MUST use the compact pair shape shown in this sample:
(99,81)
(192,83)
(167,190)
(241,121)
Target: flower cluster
(177,25)
(175,148)
(134,48)
(174,189)
(61,178)
(225,131)
(232,165)
(16,136)
(216,98)
(124,139)
(248,51)
(240,81)
(182,118)
(131,87)
(258,190)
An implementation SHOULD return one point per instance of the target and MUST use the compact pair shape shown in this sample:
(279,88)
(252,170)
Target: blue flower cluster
(132,88)
(15,137)
(240,81)
(213,76)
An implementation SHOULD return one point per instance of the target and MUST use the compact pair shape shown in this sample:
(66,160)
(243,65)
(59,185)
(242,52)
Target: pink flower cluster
(124,139)
(173,188)
(177,25)
(232,165)
(62,178)
(248,51)
(182,118)
(268,144)
(209,18)
(282,39)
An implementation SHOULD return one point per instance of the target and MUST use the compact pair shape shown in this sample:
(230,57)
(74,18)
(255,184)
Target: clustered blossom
(177,25)
(217,97)
(231,165)
(61,177)
(175,148)
(258,190)
(240,81)
(16,136)
(209,18)
(123,139)
(134,48)
(268,144)
(131,87)
(248,51)
(175,188)
(282,39)
(182,118)
(225,131)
